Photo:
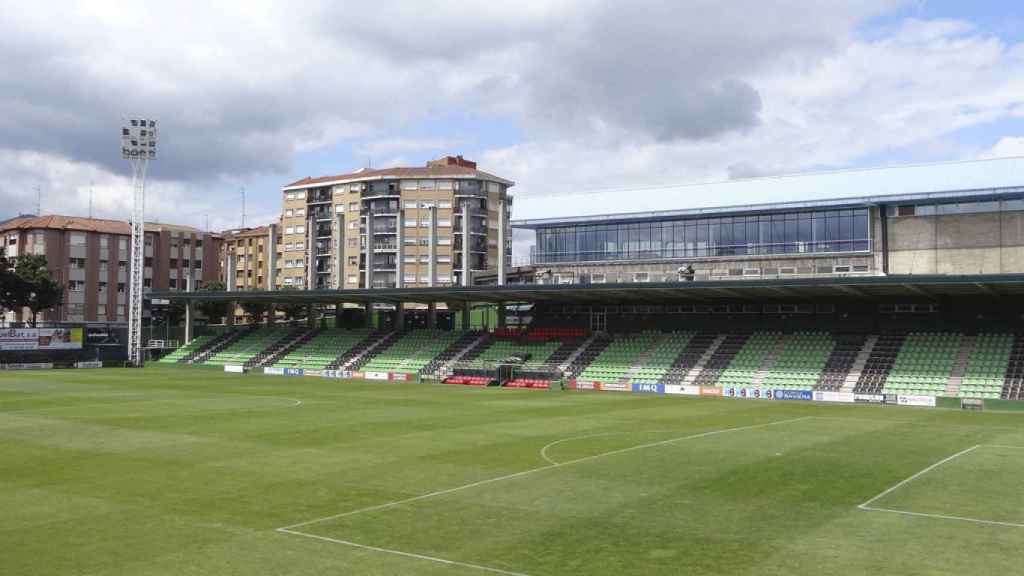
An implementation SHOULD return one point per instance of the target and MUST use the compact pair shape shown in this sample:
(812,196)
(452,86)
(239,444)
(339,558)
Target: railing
(385,246)
(793,249)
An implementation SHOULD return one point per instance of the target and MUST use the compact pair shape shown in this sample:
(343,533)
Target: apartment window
(409,278)
(300,229)
(444,184)
(444,204)
(353,260)
(101,287)
(76,263)
(288,280)
(101,309)
(148,240)
(174,262)
(353,206)
(184,263)
(352,279)
(425,279)
(103,265)
(444,259)
(76,285)
(120,287)
(186,242)
(353,225)
(122,243)
(641,277)
(122,266)
(597,278)
(340,189)
(147,282)
(408,259)
(411,223)
(353,242)
(445,223)
(148,262)
(77,239)
(410,204)
(339,208)
(289,213)
(408,184)
(444,279)
(199,243)
(409,241)
(289,229)
(444,241)
(104,241)
(196,265)
(300,212)
(172,283)
(300,245)
(424,259)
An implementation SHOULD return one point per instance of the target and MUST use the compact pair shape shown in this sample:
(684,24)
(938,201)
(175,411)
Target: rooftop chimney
(452,161)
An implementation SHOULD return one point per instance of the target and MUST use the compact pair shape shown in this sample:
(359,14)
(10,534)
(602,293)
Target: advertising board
(793,395)
(40,339)
(28,366)
(294,371)
(710,391)
(312,372)
(400,376)
(90,364)
(234,368)
(683,390)
(375,375)
(615,386)
(587,385)
(644,388)
(827,396)
(273,371)
(915,400)
(869,398)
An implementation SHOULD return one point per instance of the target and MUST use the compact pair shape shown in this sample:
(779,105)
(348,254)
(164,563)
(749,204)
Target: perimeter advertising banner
(40,339)
(648,388)
(273,371)
(793,395)
(915,400)
(683,390)
(826,396)
(710,391)
(616,386)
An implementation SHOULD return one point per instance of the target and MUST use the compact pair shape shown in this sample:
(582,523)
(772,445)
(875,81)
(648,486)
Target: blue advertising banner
(794,395)
(293,371)
(648,388)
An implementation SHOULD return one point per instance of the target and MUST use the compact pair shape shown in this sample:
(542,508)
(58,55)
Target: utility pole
(243,206)
(91,184)
(39,201)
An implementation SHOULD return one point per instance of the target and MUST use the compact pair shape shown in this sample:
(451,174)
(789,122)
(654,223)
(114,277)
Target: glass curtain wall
(810,232)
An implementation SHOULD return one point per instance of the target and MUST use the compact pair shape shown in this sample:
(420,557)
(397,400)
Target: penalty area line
(401,553)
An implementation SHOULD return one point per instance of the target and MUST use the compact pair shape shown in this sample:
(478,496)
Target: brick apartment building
(89,256)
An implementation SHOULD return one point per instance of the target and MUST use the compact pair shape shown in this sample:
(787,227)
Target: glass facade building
(796,232)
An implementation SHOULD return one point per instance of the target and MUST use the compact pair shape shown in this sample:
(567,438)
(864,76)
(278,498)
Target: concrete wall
(990,243)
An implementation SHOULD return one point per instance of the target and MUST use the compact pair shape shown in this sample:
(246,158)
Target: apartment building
(433,225)
(90,257)
(248,257)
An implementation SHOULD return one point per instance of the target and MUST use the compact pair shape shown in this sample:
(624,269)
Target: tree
(212,309)
(291,311)
(34,288)
(255,310)
(9,283)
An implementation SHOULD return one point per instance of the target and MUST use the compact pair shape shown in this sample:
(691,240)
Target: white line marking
(401,553)
(538,469)
(130,403)
(942,516)
(1003,446)
(919,474)
(544,450)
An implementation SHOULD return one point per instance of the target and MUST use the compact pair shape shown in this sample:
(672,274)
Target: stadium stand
(1013,384)
(180,354)
(987,366)
(924,364)
(249,346)
(801,361)
(321,350)
(742,369)
(618,357)
(879,363)
(411,352)
(721,358)
(692,352)
(840,361)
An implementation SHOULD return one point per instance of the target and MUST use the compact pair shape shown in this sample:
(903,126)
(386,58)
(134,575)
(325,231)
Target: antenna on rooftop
(91,184)
(39,201)
(243,206)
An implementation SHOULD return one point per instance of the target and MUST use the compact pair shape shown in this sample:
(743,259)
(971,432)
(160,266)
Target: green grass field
(177,470)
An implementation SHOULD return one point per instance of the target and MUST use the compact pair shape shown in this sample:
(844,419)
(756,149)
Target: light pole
(138,147)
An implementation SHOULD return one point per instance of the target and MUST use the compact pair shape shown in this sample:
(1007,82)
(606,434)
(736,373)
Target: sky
(637,99)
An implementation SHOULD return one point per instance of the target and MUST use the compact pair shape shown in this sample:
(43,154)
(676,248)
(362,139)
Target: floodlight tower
(138,146)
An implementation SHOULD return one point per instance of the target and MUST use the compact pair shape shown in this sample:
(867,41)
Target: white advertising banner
(273,371)
(93,364)
(616,386)
(914,400)
(234,368)
(825,396)
(376,375)
(40,339)
(680,389)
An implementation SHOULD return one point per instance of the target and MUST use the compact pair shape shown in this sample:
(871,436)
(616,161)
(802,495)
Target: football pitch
(184,470)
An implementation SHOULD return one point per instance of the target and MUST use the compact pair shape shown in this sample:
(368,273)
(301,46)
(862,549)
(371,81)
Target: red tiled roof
(399,172)
(245,232)
(57,222)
